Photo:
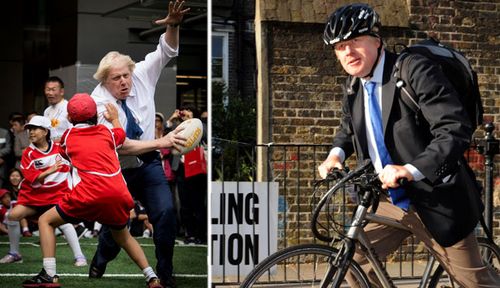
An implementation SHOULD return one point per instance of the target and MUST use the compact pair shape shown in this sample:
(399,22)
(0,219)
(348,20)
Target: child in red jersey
(46,176)
(99,190)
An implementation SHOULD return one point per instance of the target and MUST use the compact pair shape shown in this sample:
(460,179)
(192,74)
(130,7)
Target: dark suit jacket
(433,141)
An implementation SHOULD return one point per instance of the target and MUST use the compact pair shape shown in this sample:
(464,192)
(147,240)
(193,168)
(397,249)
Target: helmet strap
(379,49)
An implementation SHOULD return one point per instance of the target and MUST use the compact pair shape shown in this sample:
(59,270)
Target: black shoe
(94,271)
(169,282)
(42,280)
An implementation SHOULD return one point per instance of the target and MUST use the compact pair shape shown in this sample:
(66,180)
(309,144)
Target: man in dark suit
(441,205)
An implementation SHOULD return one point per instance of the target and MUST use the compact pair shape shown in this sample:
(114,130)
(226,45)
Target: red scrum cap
(81,107)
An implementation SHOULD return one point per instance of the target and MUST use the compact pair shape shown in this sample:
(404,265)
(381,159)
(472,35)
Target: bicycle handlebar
(364,177)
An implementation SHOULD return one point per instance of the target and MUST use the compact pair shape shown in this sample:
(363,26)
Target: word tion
(244,225)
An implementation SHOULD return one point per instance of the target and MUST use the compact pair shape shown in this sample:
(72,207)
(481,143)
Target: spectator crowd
(189,194)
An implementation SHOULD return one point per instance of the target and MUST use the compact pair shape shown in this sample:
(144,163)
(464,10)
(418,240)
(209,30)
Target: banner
(244,225)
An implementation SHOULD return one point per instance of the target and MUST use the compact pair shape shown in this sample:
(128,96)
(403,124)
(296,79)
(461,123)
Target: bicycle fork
(340,264)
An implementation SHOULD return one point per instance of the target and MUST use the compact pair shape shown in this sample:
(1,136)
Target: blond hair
(110,60)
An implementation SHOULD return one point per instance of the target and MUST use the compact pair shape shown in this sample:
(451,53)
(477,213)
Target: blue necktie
(133,130)
(398,195)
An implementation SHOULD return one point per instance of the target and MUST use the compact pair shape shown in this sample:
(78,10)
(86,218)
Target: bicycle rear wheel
(300,266)
(490,253)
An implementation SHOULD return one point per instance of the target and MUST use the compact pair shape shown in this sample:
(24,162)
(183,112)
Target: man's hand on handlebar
(391,174)
(330,163)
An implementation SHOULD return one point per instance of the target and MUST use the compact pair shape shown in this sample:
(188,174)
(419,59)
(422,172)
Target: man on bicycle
(441,204)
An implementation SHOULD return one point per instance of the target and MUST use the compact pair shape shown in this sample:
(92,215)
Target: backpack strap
(409,96)
(487,231)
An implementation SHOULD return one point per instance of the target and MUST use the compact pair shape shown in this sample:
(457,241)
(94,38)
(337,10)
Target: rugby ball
(193,130)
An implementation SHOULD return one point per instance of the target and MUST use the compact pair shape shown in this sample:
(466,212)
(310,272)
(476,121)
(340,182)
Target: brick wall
(393,12)
(304,78)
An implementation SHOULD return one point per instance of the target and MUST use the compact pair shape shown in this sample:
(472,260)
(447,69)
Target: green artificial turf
(190,265)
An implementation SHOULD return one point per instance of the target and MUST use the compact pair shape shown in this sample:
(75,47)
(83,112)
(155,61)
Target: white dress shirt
(141,98)
(58,115)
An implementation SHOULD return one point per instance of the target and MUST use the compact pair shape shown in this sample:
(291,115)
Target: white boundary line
(86,275)
(95,244)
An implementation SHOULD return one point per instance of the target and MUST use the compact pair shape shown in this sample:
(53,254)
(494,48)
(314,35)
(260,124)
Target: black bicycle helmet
(351,21)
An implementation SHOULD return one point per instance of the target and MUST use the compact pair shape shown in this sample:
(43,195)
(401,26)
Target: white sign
(244,225)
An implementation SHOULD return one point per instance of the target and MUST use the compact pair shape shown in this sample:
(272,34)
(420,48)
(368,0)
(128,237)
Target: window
(220,57)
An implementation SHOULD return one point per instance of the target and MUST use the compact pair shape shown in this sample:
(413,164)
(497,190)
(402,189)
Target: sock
(25,229)
(49,264)
(70,234)
(149,273)
(14,236)
(97,226)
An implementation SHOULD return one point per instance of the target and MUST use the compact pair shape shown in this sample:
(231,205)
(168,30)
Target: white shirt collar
(59,104)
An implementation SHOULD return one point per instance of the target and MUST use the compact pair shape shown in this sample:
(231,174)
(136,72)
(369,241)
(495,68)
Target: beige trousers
(462,260)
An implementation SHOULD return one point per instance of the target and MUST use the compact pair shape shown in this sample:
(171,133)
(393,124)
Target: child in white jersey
(45,182)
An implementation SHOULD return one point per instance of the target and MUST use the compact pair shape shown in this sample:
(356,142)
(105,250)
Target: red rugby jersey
(99,190)
(53,187)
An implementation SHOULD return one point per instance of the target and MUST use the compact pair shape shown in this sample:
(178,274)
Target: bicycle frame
(336,259)
(357,233)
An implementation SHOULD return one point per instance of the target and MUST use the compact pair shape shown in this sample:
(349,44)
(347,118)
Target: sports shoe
(146,233)
(27,233)
(11,258)
(80,261)
(154,283)
(88,235)
(42,280)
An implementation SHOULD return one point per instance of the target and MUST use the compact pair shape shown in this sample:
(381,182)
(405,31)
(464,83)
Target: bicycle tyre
(292,267)
(484,245)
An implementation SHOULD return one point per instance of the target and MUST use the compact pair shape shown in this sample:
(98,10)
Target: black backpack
(456,68)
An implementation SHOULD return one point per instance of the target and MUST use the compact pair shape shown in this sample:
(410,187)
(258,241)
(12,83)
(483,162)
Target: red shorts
(97,198)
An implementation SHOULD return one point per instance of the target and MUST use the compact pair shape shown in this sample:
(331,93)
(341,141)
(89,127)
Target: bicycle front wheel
(305,265)
(490,254)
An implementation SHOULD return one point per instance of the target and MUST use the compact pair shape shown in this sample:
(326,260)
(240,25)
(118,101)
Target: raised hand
(175,14)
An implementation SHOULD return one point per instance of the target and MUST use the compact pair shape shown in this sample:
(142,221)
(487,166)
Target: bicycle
(320,265)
